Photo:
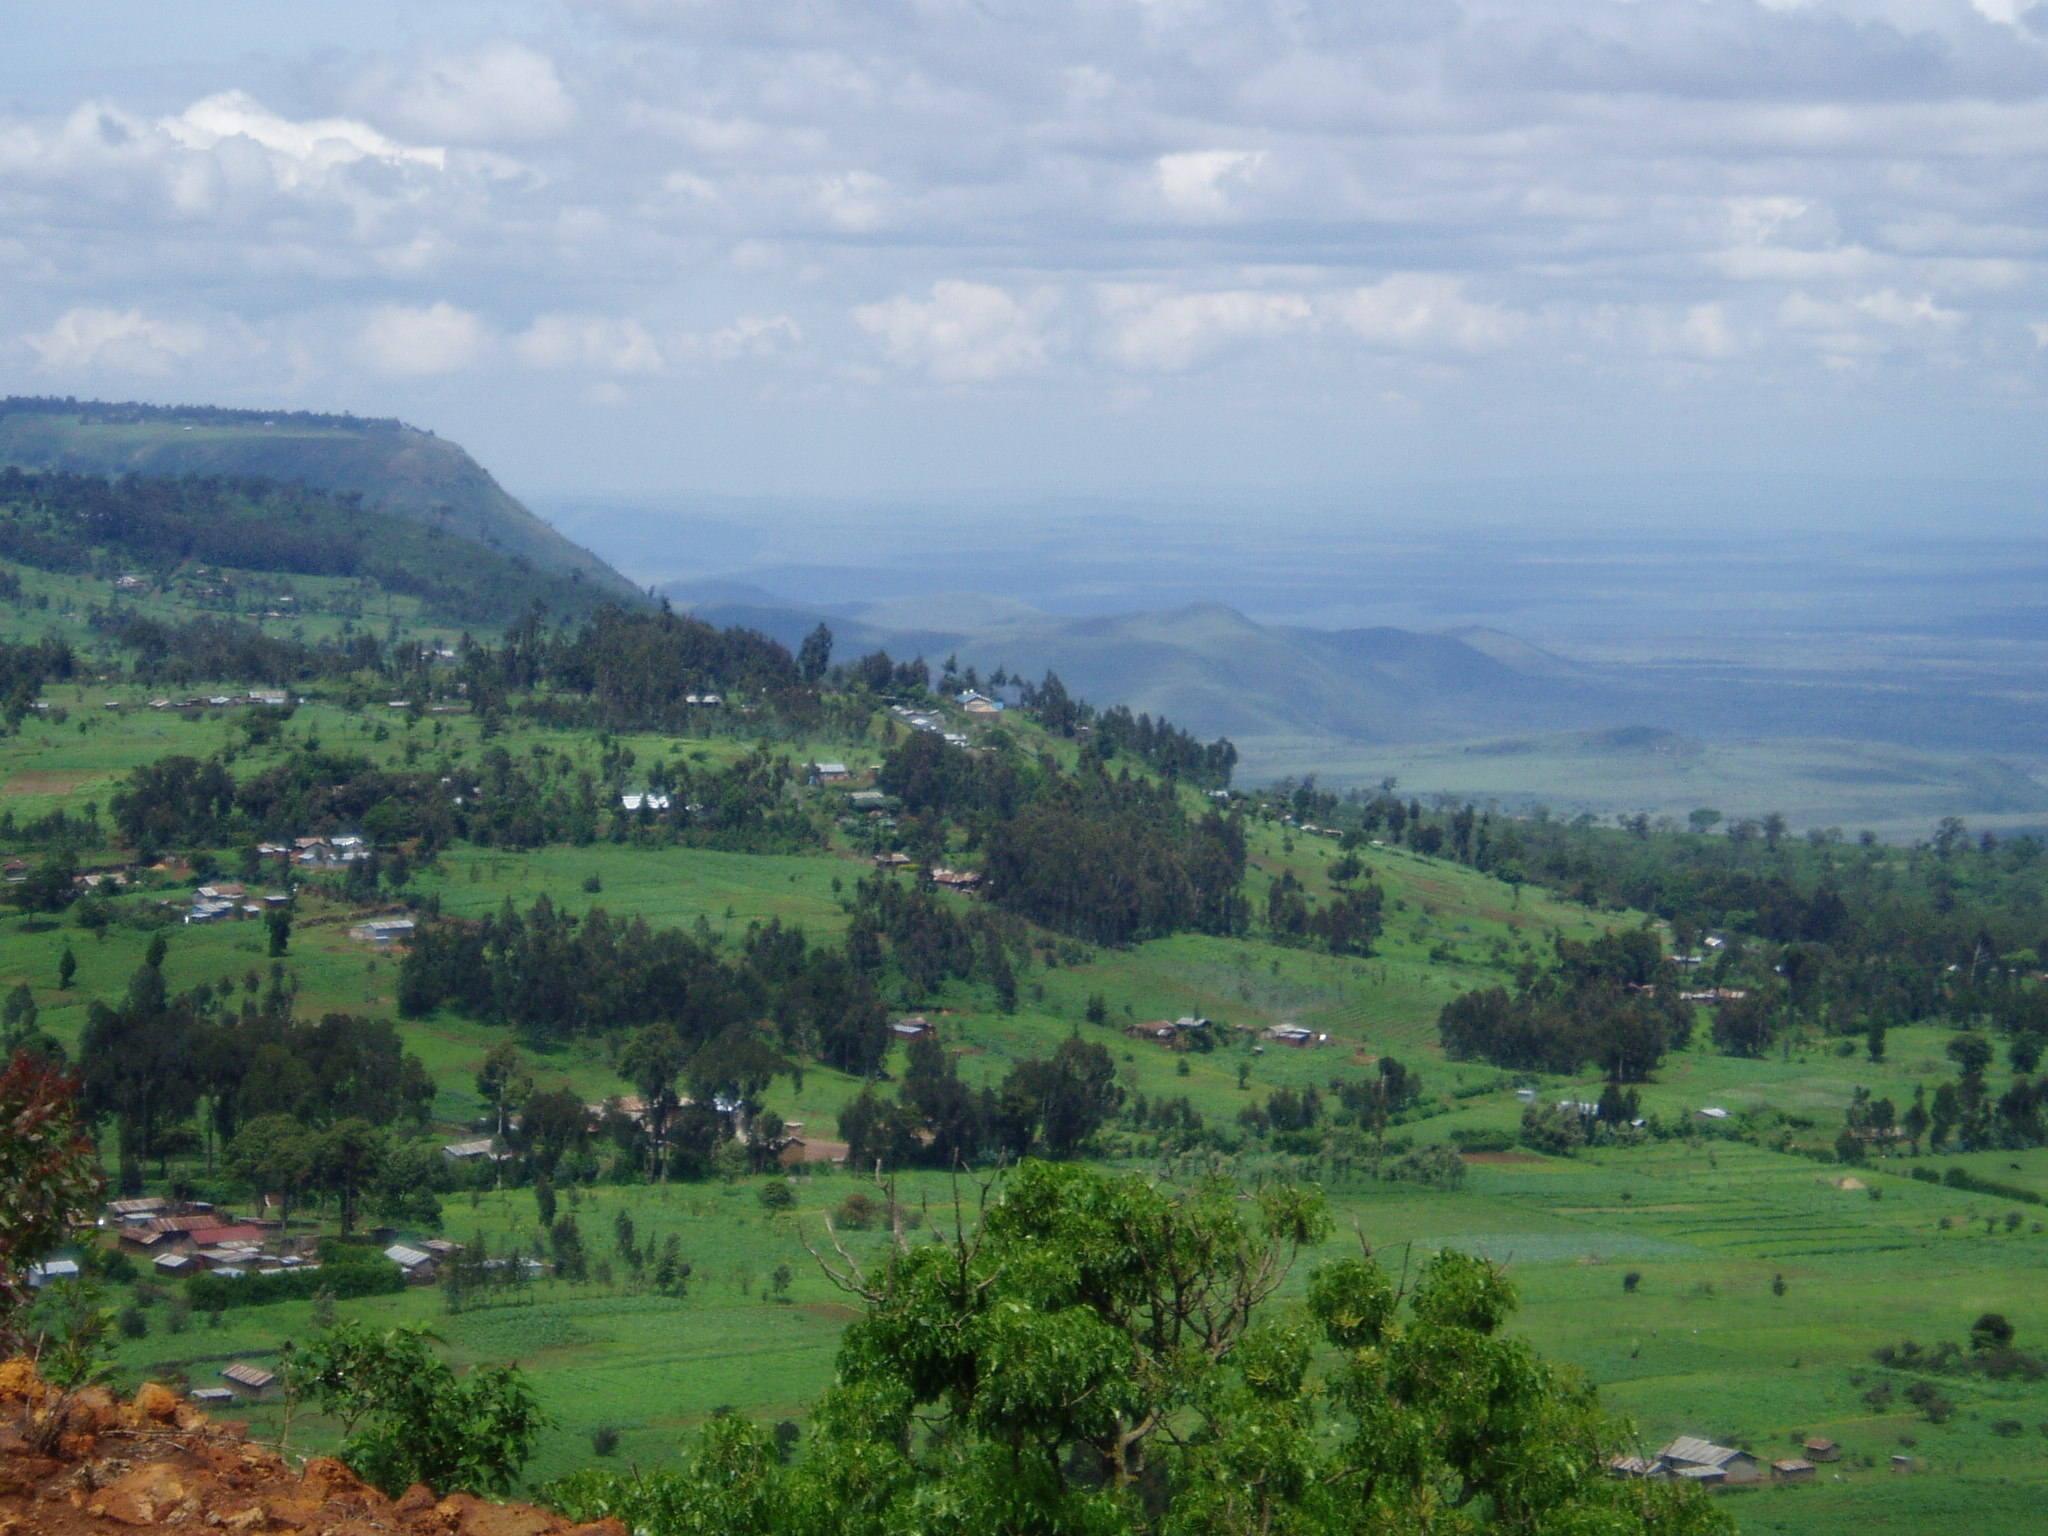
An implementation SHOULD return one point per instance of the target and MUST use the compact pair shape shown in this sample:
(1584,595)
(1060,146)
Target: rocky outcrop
(90,1463)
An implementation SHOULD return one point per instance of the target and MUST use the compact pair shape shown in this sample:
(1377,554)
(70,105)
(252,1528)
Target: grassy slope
(1688,1216)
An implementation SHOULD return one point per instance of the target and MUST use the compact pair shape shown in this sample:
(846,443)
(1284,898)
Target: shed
(1819,1448)
(1902,1463)
(1792,1471)
(212,1397)
(250,1382)
(40,1275)
(176,1264)
(912,1028)
(468,1151)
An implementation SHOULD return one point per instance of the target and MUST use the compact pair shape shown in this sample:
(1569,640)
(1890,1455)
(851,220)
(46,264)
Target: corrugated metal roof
(1694,1451)
(406,1258)
(252,1376)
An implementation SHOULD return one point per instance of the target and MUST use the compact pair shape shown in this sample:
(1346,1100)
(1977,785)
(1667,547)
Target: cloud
(501,93)
(1200,182)
(405,342)
(1153,329)
(114,341)
(592,343)
(301,151)
(965,332)
(1423,310)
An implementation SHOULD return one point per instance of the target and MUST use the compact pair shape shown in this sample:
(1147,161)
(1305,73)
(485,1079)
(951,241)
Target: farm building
(250,1383)
(1819,1448)
(1691,1457)
(1792,1471)
(418,1266)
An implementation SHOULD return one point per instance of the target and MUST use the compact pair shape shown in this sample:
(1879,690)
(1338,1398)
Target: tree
(273,1155)
(278,923)
(67,967)
(347,1159)
(652,1061)
(1094,1357)
(48,1169)
(50,886)
(410,1419)
(815,656)
(502,1081)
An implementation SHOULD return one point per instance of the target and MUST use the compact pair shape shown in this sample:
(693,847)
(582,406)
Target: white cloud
(1154,329)
(501,93)
(751,336)
(593,343)
(963,332)
(1420,309)
(1200,182)
(114,341)
(301,151)
(406,342)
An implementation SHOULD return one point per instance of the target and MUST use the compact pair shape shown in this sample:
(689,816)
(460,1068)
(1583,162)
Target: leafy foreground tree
(1094,1357)
(410,1419)
(48,1170)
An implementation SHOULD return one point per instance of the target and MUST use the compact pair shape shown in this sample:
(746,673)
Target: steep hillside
(396,469)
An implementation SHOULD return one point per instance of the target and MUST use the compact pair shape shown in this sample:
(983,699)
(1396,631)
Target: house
(1820,1448)
(383,930)
(1294,1035)
(129,583)
(212,1397)
(955,879)
(250,1383)
(1792,1471)
(1159,1031)
(40,1275)
(980,704)
(1714,1112)
(276,698)
(891,860)
(222,892)
(830,773)
(912,1028)
(214,1235)
(1630,1466)
(418,1266)
(139,1208)
(649,800)
(868,800)
(469,1151)
(176,1264)
(1691,1457)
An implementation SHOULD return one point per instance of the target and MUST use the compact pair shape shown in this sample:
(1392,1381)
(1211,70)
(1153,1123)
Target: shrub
(777,1195)
(2009,1429)
(604,1440)
(1631,1280)
(1482,1139)
(859,1211)
(133,1324)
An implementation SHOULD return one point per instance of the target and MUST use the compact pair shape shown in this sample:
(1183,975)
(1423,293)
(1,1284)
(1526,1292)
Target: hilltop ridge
(398,469)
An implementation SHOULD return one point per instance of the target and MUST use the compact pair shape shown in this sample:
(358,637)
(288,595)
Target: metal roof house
(1700,1460)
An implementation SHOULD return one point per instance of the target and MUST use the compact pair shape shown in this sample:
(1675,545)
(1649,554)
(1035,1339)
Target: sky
(976,250)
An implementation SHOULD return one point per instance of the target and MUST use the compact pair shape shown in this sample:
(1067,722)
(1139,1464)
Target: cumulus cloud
(301,150)
(1521,196)
(114,341)
(593,343)
(404,342)
(502,93)
(963,332)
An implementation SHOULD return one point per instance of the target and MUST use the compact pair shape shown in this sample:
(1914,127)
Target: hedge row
(1963,1179)
(213,1292)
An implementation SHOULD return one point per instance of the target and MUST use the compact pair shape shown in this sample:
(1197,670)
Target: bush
(2009,1429)
(1482,1139)
(777,1195)
(1630,1281)
(211,1293)
(604,1440)
(858,1211)
(133,1324)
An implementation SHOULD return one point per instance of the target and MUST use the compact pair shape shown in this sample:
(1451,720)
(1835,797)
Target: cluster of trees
(1347,924)
(133,412)
(1096,1354)
(58,521)
(1052,1105)
(234,1056)
(498,801)
(1611,1000)
(555,976)
(206,649)
(1162,746)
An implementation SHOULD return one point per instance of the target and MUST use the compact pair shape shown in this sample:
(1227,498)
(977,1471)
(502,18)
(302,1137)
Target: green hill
(396,469)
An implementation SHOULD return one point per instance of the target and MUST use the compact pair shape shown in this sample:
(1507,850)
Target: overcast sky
(939,248)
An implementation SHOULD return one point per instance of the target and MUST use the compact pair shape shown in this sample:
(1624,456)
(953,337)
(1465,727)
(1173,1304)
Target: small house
(1902,1463)
(830,773)
(1793,1470)
(469,1151)
(891,860)
(138,1209)
(383,930)
(1630,1466)
(955,879)
(51,1270)
(1820,1448)
(418,1266)
(915,1027)
(250,1383)
(176,1264)
(1691,1457)
(867,800)
(1294,1035)
(212,1397)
